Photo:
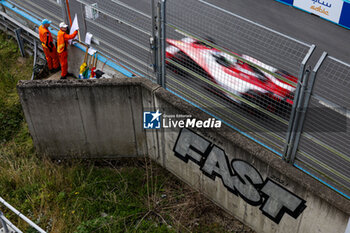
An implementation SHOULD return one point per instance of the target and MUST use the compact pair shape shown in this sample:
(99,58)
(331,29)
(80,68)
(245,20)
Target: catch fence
(50,9)
(322,143)
(232,97)
(249,76)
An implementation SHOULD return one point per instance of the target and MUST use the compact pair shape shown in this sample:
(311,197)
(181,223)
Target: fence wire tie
(302,110)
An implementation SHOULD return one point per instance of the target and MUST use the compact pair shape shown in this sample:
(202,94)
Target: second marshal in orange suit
(62,41)
(48,46)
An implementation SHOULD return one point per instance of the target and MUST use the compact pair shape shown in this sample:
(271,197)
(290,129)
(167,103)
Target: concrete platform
(57,76)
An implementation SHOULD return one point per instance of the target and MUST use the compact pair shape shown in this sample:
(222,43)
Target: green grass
(128,195)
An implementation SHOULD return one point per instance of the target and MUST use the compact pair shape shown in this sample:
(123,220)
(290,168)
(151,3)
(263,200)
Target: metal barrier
(323,147)
(8,227)
(252,78)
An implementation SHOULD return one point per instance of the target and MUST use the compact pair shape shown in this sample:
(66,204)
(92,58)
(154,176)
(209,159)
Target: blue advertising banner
(329,9)
(345,15)
(288,2)
(336,11)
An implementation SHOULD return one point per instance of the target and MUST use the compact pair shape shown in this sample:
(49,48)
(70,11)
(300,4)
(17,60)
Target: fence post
(35,55)
(295,102)
(82,8)
(153,39)
(163,45)
(20,41)
(305,107)
(159,52)
(298,110)
(64,12)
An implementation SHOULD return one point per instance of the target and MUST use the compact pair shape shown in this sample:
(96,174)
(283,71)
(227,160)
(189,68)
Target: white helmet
(63,25)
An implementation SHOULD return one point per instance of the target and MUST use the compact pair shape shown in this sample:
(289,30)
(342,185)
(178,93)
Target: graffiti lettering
(239,177)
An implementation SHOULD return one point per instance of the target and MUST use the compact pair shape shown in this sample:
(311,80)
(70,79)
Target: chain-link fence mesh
(122,32)
(239,71)
(236,33)
(50,9)
(324,144)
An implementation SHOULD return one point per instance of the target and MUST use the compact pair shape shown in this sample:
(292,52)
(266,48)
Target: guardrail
(252,78)
(8,227)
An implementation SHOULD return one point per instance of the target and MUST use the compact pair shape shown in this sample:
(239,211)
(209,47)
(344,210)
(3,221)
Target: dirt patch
(21,60)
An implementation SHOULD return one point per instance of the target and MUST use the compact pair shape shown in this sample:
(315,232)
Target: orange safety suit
(48,47)
(62,41)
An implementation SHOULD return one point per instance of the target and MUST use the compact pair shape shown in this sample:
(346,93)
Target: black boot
(56,70)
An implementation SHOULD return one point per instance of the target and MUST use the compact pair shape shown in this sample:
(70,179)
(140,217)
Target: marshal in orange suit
(62,41)
(48,46)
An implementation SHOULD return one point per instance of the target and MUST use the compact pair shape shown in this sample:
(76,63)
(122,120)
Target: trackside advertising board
(329,9)
(337,11)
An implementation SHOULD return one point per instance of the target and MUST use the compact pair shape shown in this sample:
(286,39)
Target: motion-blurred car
(235,80)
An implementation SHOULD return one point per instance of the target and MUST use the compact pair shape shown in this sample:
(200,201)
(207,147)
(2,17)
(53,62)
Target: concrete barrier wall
(104,119)
(78,119)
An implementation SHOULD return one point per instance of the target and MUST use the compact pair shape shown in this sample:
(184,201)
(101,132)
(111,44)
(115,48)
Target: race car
(233,79)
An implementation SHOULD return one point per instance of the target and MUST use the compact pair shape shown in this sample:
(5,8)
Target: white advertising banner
(328,9)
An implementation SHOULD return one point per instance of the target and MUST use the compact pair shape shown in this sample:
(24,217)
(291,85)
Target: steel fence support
(35,56)
(20,41)
(292,116)
(298,111)
(305,107)
(163,43)
(64,11)
(153,39)
(159,52)
(82,8)
(295,102)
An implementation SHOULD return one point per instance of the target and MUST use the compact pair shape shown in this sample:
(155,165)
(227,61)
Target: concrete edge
(78,83)
(225,131)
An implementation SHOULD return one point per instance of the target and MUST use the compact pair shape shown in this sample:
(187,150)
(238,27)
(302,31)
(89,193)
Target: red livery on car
(235,79)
